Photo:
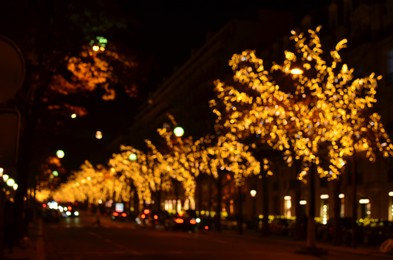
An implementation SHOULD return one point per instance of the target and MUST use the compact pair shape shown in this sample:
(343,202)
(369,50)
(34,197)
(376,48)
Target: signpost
(12,69)
(12,74)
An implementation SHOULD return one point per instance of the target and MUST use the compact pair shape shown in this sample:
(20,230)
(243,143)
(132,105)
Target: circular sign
(12,69)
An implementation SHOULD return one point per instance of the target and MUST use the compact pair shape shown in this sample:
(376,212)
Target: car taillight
(155,217)
(115,214)
(179,220)
(143,216)
(206,227)
(124,214)
(193,222)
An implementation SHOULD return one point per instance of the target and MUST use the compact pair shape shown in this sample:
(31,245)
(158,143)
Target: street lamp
(178,131)
(98,135)
(60,154)
(132,157)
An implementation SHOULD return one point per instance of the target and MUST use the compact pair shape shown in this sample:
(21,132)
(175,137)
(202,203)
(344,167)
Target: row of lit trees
(151,172)
(309,111)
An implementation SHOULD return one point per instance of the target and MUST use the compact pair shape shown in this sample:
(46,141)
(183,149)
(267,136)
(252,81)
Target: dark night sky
(162,35)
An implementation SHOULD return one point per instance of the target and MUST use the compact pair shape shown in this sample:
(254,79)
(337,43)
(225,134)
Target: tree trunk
(265,231)
(200,197)
(135,200)
(299,229)
(177,195)
(354,201)
(210,204)
(219,201)
(336,212)
(240,211)
(158,203)
(311,210)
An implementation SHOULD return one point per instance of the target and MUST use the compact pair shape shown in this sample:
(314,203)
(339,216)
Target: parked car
(51,215)
(280,226)
(149,217)
(184,221)
(326,232)
(377,232)
(229,223)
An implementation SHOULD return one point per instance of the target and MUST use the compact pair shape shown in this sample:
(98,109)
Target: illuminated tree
(320,119)
(159,177)
(342,107)
(227,155)
(253,109)
(147,170)
(94,185)
(184,157)
(132,163)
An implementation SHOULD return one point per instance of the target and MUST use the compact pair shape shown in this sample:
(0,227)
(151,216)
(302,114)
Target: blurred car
(183,221)
(280,226)
(69,211)
(205,223)
(119,216)
(377,232)
(229,223)
(50,215)
(152,218)
(325,232)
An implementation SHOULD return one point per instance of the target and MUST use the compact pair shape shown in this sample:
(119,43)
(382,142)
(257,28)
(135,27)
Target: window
(287,206)
(324,211)
(365,208)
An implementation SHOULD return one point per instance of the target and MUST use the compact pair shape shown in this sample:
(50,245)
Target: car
(50,215)
(377,231)
(205,223)
(150,217)
(69,211)
(280,226)
(119,215)
(326,232)
(182,221)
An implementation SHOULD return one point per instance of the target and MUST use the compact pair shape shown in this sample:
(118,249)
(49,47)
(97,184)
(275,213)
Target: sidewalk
(32,247)
(359,250)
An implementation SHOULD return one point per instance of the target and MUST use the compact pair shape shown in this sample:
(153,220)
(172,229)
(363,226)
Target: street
(82,238)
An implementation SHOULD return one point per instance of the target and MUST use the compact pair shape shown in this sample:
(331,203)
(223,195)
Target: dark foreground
(82,239)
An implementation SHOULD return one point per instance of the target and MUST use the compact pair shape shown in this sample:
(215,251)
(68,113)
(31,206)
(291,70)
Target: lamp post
(178,131)
(254,216)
